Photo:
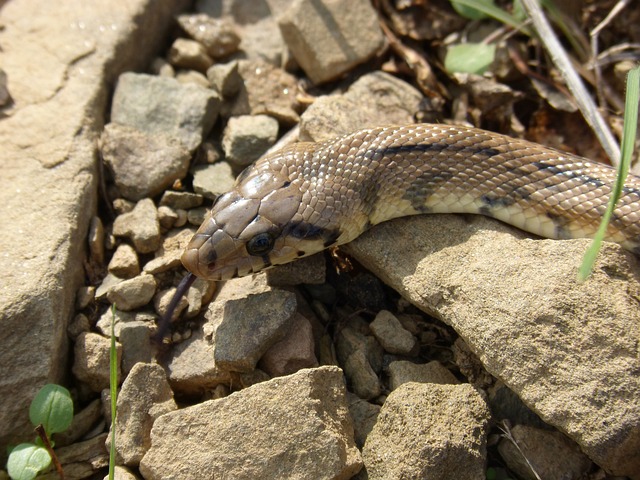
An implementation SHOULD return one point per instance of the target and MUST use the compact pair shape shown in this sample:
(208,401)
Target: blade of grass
(496,13)
(113,389)
(628,143)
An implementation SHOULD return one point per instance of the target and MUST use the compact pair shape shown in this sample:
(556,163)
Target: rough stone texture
(250,326)
(551,454)
(569,350)
(294,427)
(60,64)
(266,90)
(124,263)
(364,415)
(158,104)
(135,338)
(212,180)
(143,164)
(217,35)
(307,270)
(141,226)
(133,293)
(330,37)
(145,395)
(294,352)
(247,137)
(168,255)
(189,54)
(191,367)
(374,99)
(391,334)
(429,431)
(402,371)
(225,78)
(91,360)
(256,24)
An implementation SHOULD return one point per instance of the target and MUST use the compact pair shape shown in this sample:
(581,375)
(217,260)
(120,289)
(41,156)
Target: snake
(311,196)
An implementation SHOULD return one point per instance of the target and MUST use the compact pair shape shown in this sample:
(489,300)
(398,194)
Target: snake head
(256,225)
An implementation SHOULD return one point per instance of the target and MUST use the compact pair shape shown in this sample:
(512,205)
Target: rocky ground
(435,347)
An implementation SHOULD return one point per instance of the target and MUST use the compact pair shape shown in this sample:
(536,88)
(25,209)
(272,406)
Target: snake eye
(260,244)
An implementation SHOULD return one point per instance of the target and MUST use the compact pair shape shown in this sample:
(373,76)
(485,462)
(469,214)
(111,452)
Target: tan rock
(294,427)
(429,431)
(569,350)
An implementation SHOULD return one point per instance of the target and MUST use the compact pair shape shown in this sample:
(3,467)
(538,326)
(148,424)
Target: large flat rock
(61,59)
(569,350)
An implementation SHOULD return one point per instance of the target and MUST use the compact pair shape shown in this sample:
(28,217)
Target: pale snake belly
(311,196)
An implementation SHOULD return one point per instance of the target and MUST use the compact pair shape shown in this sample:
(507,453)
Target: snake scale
(311,196)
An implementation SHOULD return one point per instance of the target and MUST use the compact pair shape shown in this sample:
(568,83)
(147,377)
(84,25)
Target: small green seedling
(51,411)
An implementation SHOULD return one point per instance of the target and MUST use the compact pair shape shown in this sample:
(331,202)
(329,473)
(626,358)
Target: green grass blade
(628,143)
(494,12)
(113,389)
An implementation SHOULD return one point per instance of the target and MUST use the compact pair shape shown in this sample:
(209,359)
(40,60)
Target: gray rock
(294,352)
(143,163)
(122,473)
(250,326)
(121,318)
(362,378)
(167,217)
(328,38)
(307,270)
(168,255)
(189,54)
(133,293)
(374,99)
(557,344)
(391,334)
(85,296)
(60,80)
(79,460)
(191,366)
(429,431)
(91,360)
(291,427)
(124,263)
(199,295)
(256,25)
(364,415)
(225,78)
(78,325)
(218,36)
(266,90)
(164,105)
(247,137)
(184,200)
(135,338)
(107,282)
(145,395)
(192,76)
(162,300)
(82,423)
(211,181)
(141,226)
(549,453)
(401,372)
(196,216)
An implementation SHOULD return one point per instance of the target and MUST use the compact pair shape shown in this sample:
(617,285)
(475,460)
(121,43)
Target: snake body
(310,196)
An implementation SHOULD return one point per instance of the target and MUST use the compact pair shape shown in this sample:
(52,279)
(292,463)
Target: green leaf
(470,12)
(489,9)
(469,58)
(53,408)
(26,460)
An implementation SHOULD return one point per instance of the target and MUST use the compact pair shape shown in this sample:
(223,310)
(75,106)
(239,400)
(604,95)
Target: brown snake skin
(310,196)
